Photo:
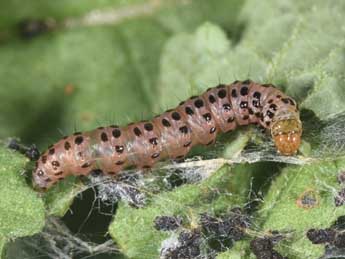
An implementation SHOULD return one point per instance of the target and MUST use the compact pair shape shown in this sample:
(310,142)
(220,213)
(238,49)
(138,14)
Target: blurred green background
(76,65)
(86,76)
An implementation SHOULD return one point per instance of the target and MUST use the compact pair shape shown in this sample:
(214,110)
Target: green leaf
(21,210)
(299,199)
(283,58)
(59,198)
(2,246)
(300,54)
(238,251)
(133,230)
(208,60)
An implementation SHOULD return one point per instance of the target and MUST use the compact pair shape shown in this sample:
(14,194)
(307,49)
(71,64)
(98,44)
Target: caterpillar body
(173,133)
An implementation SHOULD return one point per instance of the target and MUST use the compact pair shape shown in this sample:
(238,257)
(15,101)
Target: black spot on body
(77,133)
(155,155)
(220,86)
(244,90)
(44,159)
(166,123)
(146,167)
(227,107)
(51,151)
(207,117)
(148,126)
(256,103)
(231,119)
(59,173)
(291,102)
(100,128)
(246,82)
(137,131)
(104,137)
(184,129)
(78,140)
(199,103)
(67,145)
(113,126)
(250,110)
(116,133)
(182,103)
(55,164)
(212,99)
(48,180)
(193,97)
(244,105)
(153,141)
(222,93)
(189,110)
(85,165)
(270,101)
(120,162)
(257,95)
(176,116)
(273,107)
(119,149)
(270,114)
(285,100)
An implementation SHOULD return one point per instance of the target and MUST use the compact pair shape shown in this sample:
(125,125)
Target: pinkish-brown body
(173,133)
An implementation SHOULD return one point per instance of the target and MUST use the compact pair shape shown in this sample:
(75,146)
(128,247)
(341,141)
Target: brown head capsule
(286,134)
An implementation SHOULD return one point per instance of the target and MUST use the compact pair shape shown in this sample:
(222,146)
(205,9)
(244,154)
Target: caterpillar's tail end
(287,136)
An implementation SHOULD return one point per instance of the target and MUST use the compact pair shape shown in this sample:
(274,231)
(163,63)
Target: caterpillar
(173,133)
